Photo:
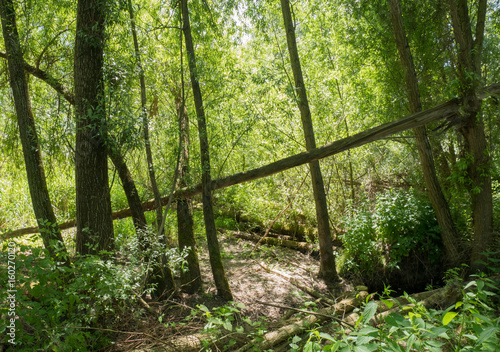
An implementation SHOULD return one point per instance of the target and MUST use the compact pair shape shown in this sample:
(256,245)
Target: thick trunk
(191,279)
(93,204)
(472,126)
(327,259)
(219,274)
(450,235)
(42,206)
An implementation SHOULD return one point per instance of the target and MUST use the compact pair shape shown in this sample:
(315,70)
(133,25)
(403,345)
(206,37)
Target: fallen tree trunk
(448,110)
(303,247)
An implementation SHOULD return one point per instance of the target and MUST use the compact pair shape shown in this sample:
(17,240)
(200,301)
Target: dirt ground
(250,284)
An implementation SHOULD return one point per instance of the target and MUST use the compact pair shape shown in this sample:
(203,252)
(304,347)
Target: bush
(395,235)
(56,305)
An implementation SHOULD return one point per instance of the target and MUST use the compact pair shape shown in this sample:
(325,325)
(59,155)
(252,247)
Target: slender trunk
(450,235)
(145,123)
(133,199)
(472,125)
(162,275)
(191,279)
(93,203)
(42,206)
(327,259)
(219,274)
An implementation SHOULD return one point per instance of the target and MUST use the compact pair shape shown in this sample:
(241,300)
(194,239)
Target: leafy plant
(471,324)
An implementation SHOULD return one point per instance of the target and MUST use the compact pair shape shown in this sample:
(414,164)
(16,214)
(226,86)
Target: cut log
(447,110)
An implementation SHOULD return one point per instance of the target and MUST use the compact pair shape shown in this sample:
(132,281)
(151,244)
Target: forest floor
(250,283)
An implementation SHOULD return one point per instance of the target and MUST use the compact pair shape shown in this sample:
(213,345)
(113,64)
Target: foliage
(64,309)
(398,224)
(225,325)
(471,324)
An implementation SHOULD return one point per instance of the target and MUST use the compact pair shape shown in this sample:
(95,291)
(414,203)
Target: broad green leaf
(369,330)
(326,336)
(448,317)
(369,311)
(363,340)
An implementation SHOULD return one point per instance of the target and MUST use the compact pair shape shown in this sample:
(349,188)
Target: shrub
(63,309)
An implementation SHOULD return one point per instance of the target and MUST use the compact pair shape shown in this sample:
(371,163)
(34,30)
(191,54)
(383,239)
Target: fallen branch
(446,110)
(282,334)
(307,312)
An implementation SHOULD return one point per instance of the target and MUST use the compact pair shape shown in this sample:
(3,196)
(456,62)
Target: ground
(250,284)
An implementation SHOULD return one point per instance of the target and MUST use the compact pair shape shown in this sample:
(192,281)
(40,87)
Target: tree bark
(450,235)
(93,203)
(219,274)
(472,125)
(327,268)
(42,206)
(191,279)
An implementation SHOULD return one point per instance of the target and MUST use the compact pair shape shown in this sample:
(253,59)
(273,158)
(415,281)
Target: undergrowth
(470,324)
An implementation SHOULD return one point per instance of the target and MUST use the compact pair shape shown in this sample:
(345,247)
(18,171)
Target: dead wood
(447,110)
(303,247)
(300,326)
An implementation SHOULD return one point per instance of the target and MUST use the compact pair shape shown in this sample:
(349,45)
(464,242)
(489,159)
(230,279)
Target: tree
(471,125)
(161,276)
(218,272)
(191,279)
(93,205)
(327,259)
(441,208)
(42,206)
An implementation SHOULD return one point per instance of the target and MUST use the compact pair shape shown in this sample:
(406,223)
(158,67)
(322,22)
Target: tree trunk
(450,235)
(327,268)
(133,199)
(219,274)
(472,125)
(40,199)
(191,280)
(93,204)
(162,275)
(145,122)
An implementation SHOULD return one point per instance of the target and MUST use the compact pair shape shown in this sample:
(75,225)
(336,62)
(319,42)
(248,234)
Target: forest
(249,175)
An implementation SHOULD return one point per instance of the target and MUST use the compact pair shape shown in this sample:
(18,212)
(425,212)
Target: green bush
(63,309)
(388,234)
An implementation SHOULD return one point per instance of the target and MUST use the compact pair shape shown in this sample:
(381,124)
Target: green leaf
(369,312)
(448,317)
(486,334)
(388,303)
(369,331)
(326,336)
(204,308)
